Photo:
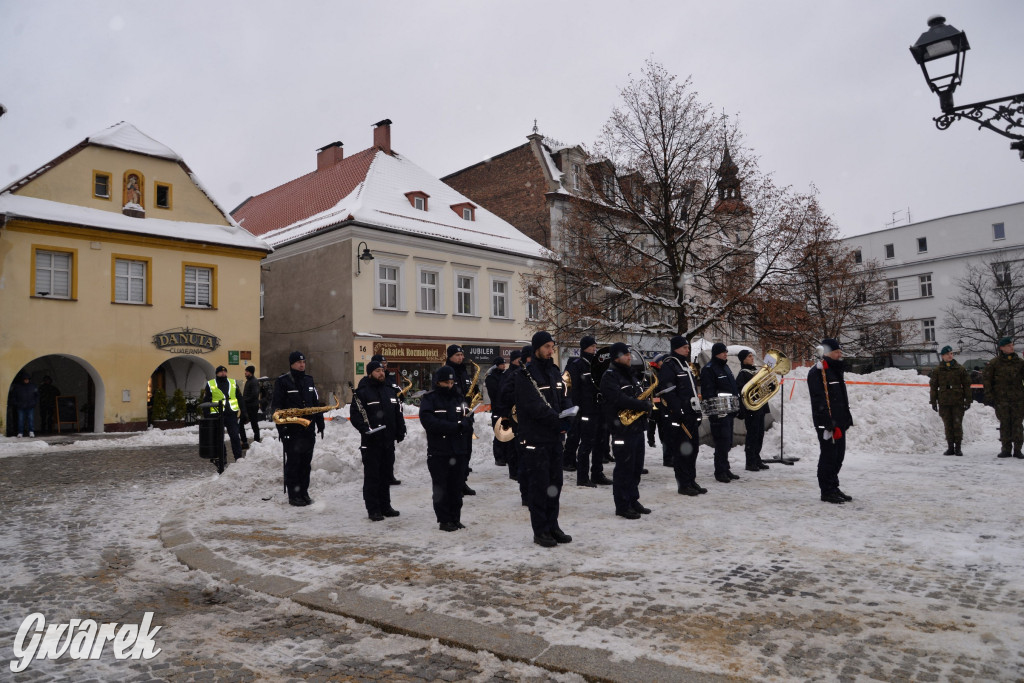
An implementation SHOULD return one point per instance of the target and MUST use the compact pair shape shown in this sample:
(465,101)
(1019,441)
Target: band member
(1004,391)
(295,389)
(950,397)
(444,419)
(753,420)
(391,379)
(251,398)
(218,389)
(830,409)
(654,424)
(619,391)
(377,414)
(716,379)
(589,425)
(501,409)
(509,401)
(463,383)
(492,382)
(680,401)
(540,402)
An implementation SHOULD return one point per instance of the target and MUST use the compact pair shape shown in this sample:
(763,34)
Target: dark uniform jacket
(493,381)
(502,403)
(677,386)
(1002,378)
(716,378)
(225,386)
(746,374)
(839,416)
(584,391)
(296,390)
(539,399)
(443,416)
(462,380)
(251,396)
(382,407)
(950,385)
(619,391)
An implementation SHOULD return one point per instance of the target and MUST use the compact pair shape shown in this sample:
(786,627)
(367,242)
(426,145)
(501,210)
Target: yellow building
(121,276)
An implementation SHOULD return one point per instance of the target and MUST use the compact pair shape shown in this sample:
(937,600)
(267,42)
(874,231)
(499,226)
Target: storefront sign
(410,353)
(480,354)
(186,340)
(232,357)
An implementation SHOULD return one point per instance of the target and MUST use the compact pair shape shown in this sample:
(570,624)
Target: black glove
(935,407)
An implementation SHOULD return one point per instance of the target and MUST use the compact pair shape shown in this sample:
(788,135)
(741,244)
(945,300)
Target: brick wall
(511,186)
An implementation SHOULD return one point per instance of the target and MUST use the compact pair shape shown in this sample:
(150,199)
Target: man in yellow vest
(223,389)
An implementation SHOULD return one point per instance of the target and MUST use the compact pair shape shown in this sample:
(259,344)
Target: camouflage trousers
(953,419)
(1011,424)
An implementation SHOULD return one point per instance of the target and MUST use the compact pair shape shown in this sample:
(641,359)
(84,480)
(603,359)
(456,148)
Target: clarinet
(359,405)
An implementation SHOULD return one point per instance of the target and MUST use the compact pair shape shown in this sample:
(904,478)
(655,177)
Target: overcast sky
(826,92)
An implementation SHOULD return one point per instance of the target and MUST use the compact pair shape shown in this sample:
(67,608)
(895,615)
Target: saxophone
(628,417)
(406,388)
(291,416)
(474,395)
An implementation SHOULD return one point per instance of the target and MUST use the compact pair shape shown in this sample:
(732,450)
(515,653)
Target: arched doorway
(68,376)
(187,373)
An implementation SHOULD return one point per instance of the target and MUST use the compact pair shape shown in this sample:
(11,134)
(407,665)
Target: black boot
(951,450)
(956,449)
(1017,453)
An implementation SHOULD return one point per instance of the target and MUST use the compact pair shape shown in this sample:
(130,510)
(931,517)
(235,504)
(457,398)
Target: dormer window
(418,199)
(466,210)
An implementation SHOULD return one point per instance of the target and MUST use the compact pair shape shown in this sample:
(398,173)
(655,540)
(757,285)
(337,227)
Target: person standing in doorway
(25,396)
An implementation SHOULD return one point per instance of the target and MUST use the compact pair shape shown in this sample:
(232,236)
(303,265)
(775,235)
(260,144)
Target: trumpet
(766,382)
(628,417)
(291,416)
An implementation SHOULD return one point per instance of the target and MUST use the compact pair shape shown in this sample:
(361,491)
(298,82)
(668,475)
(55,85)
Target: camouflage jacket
(1003,377)
(950,385)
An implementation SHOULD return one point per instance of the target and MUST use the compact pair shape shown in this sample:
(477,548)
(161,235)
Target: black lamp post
(940,51)
(365,256)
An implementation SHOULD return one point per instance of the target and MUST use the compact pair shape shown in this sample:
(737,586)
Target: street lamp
(365,256)
(940,51)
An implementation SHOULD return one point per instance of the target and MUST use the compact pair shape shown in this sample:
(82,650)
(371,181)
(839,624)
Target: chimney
(382,135)
(329,155)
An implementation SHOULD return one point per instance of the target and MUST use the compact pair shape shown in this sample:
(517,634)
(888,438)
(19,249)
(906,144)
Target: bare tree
(677,228)
(990,299)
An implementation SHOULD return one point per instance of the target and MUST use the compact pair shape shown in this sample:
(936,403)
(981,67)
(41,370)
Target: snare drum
(721,405)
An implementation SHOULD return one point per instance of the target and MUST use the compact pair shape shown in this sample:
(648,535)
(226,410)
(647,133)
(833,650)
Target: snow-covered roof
(125,136)
(380,200)
(18,206)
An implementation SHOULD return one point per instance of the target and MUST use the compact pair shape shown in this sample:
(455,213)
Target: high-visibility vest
(217,395)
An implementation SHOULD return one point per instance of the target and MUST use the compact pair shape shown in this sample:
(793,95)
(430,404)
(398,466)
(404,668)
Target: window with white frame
(430,287)
(928,326)
(533,302)
(420,203)
(199,286)
(926,284)
(576,176)
(53,274)
(998,231)
(894,289)
(467,214)
(464,293)
(499,299)
(129,281)
(387,286)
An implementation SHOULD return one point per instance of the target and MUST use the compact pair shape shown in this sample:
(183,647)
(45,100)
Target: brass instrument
(291,416)
(628,417)
(766,382)
(567,381)
(406,388)
(473,394)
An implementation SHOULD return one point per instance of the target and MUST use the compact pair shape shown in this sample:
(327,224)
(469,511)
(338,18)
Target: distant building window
(467,214)
(857,257)
(464,286)
(533,302)
(430,281)
(929,329)
(499,298)
(926,285)
(998,231)
(163,196)
(419,200)
(890,251)
(53,274)
(922,245)
(420,203)
(101,185)
(1002,274)
(894,289)
(1005,323)
(129,281)
(387,286)
(261,300)
(576,176)
(199,286)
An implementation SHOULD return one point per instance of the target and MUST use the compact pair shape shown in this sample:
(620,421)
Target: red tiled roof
(305,196)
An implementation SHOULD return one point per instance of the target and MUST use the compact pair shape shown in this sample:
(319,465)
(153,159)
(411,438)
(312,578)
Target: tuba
(766,382)
(288,416)
(628,417)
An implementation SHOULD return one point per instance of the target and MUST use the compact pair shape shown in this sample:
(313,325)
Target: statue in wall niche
(132,192)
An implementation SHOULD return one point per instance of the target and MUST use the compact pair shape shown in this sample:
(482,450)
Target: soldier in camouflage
(950,397)
(1003,378)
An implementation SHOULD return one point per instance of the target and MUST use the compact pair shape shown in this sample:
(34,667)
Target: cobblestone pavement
(80,542)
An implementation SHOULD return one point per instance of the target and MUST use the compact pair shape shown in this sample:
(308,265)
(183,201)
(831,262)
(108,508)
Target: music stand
(782,430)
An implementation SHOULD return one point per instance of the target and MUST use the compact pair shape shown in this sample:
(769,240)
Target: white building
(923,261)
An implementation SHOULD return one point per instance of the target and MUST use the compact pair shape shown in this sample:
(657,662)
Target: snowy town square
(918,578)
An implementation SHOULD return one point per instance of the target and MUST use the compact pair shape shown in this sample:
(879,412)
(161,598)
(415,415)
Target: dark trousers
(830,461)
(46,416)
(446,479)
(298,453)
(468,447)
(231,425)
(544,472)
(514,456)
(25,418)
(1011,433)
(721,432)
(682,449)
(592,430)
(253,422)
(755,437)
(953,420)
(573,439)
(377,454)
(628,449)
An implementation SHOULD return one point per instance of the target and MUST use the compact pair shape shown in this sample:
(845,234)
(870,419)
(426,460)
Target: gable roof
(370,188)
